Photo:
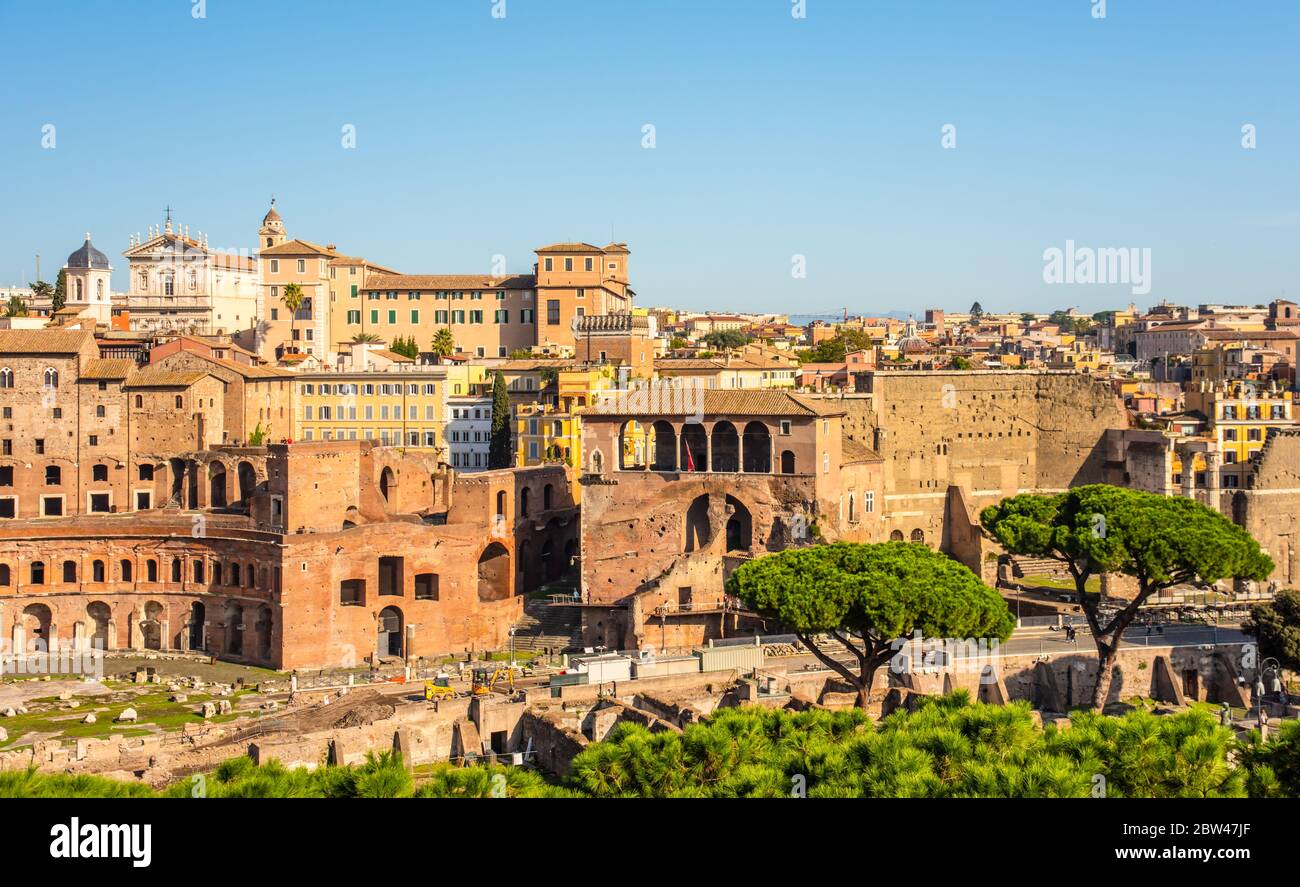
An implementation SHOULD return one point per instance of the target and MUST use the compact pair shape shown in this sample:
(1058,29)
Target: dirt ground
(218,672)
(16,693)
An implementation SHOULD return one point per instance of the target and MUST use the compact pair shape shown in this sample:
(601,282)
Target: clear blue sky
(775,137)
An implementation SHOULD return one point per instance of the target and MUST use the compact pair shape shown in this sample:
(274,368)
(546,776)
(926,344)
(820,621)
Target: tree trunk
(1105,674)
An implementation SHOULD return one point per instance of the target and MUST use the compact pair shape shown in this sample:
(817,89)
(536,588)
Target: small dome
(271,215)
(912,345)
(88,257)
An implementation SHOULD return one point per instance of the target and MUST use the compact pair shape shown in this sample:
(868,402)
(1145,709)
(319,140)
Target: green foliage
(1276,625)
(365,338)
(961,363)
(834,349)
(521,354)
(15,307)
(677,342)
(1158,540)
(948,748)
(30,784)
(724,339)
(867,596)
(444,343)
(1273,768)
(60,296)
(500,452)
(405,346)
(258,436)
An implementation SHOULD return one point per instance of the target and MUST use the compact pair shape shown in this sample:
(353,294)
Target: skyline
(769,131)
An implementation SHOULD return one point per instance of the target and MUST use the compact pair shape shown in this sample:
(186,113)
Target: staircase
(544,625)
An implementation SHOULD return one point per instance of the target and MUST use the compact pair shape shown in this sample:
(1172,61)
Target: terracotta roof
(852,450)
(154,377)
(108,368)
(297,247)
(43,341)
(578,247)
(391,355)
(672,401)
(448,282)
(339,261)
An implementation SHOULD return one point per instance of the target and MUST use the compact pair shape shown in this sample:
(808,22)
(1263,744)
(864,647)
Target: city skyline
(720,210)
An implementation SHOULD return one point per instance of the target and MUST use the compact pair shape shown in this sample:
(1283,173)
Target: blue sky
(775,137)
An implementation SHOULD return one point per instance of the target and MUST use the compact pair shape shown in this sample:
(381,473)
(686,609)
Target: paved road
(1032,640)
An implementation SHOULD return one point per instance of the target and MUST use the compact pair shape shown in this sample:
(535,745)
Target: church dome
(271,215)
(88,257)
(912,345)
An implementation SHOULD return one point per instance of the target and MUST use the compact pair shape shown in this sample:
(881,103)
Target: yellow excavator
(439,688)
(485,682)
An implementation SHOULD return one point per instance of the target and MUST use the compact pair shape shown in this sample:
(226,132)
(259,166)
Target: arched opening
(548,561)
(853,517)
(597,462)
(4,575)
(125,569)
(896,536)
(69,571)
(389,630)
(216,485)
(757,441)
(235,573)
(263,629)
(524,495)
(387,483)
(151,625)
(787,462)
(494,573)
(501,505)
(193,487)
(726,447)
(632,446)
(918,536)
(694,448)
(524,564)
(247,481)
(36,627)
(98,615)
(234,628)
(178,480)
(37,573)
(97,571)
(665,447)
(570,554)
(740,526)
(546,497)
(198,616)
(698,531)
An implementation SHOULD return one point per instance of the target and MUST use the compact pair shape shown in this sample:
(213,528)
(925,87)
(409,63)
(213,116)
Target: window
(302,266)
(869,501)
(69,571)
(53,475)
(99,473)
(552,312)
(549,263)
(275,269)
(590,263)
(99,412)
(51,378)
(426,586)
(37,573)
(6,475)
(146,472)
(40,446)
(6,378)
(568,263)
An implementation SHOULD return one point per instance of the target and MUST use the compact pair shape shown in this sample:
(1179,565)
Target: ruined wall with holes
(991,433)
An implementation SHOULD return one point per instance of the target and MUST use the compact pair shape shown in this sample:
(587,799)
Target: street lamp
(511,632)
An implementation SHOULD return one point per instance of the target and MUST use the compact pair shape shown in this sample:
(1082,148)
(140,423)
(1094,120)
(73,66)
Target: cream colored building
(177,283)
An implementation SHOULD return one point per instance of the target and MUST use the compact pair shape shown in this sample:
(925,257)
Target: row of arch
(721,448)
(245,631)
(231,574)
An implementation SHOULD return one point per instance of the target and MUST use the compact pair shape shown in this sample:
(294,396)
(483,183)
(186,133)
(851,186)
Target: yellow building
(552,432)
(404,405)
(1239,417)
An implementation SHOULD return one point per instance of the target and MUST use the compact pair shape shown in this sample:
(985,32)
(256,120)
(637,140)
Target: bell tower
(272,231)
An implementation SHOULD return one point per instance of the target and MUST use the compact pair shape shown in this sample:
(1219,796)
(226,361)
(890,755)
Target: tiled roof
(852,451)
(448,282)
(298,248)
(571,247)
(154,377)
(43,341)
(108,368)
(672,401)
(391,355)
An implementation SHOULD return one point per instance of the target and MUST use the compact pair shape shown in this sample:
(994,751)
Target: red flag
(690,463)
